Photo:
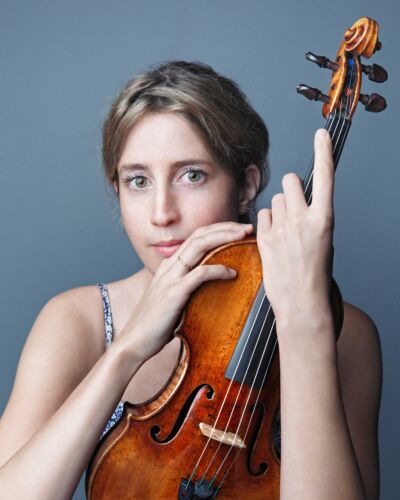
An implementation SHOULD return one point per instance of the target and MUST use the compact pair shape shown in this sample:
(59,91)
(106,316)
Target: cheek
(212,210)
(130,214)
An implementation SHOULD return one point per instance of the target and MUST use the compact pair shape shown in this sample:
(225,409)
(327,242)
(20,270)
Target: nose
(164,208)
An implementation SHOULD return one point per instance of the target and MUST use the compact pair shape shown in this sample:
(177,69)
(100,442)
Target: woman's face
(169,185)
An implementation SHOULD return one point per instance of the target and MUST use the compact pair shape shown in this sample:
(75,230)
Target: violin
(214,428)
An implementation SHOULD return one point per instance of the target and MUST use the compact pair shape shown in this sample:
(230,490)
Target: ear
(116,187)
(249,188)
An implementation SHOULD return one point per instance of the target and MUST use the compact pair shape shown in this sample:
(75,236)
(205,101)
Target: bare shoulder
(360,373)
(73,318)
(64,343)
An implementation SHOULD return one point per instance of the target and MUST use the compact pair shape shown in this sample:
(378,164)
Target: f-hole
(155,430)
(259,417)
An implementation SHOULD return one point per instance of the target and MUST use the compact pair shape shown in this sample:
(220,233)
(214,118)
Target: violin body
(157,444)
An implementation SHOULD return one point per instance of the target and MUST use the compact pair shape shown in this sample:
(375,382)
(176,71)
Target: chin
(153,265)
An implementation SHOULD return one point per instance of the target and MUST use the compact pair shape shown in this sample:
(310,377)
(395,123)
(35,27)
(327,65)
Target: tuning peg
(375,73)
(322,61)
(312,94)
(373,102)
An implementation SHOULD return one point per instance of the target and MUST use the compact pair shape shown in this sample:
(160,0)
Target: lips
(167,248)
(168,243)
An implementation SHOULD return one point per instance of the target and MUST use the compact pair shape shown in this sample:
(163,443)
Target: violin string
(249,423)
(310,168)
(247,401)
(266,372)
(240,389)
(345,135)
(310,178)
(347,108)
(342,138)
(225,397)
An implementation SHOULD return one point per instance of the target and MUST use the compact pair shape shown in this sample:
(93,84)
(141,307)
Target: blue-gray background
(61,64)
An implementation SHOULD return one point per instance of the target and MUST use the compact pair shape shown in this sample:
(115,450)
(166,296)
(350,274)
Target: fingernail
(232,271)
(322,134)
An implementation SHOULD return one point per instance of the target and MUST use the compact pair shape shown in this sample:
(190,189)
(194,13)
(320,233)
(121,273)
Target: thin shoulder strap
(108,322)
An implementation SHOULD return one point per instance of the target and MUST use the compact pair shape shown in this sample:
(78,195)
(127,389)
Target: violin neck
(338,127)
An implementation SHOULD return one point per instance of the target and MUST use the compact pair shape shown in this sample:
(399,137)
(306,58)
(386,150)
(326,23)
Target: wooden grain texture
(132,463)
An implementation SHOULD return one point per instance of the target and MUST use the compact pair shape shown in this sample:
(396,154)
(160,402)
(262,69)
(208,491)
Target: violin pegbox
(361,40)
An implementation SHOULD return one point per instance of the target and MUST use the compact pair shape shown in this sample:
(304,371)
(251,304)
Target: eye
(136,181)
(194,175)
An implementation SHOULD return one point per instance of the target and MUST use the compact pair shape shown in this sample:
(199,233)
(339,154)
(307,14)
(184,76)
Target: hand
(295,240)
(150,326)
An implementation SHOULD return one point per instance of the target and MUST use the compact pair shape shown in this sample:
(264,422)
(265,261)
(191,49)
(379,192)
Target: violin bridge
(228,438)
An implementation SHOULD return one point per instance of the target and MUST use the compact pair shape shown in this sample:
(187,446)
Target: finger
(221,226)
(322,196)
(228,226)
(218,226)
(264,221)
(204,273)
(278,208)
(294,195)
(198,246)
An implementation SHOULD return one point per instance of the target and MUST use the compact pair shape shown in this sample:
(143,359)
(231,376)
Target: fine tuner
(344,93)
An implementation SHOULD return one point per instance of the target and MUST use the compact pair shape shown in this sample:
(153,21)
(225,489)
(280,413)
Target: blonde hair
(235,133)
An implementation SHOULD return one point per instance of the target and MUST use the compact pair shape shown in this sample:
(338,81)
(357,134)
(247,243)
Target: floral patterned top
(108,331)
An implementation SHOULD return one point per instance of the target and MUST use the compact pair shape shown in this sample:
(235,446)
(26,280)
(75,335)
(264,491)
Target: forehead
(165,136)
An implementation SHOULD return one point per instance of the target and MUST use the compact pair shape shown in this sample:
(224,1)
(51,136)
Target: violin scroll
(361,40)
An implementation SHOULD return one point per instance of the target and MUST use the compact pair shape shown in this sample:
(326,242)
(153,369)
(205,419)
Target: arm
(59,406)
(330,402)
(318,460)
(318,423)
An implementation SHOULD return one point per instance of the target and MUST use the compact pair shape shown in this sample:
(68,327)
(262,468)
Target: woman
(186,155)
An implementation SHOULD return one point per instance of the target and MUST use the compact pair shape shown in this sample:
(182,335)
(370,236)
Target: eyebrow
(178,164)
